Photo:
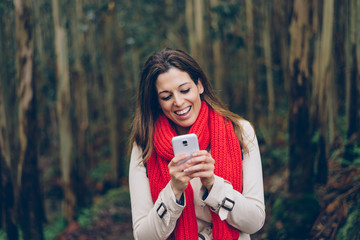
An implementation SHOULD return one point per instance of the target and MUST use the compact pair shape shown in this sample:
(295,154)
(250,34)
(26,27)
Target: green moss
(118,199)
(350,229)
(292,218)
(53,230)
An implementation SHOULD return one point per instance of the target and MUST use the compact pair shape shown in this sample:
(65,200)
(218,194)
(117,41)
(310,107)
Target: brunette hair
(148,108)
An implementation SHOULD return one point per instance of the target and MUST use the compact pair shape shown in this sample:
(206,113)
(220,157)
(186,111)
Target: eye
(166,98)
(185,91)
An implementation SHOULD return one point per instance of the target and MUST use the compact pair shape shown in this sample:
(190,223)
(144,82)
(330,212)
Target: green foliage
(6,5)
(118,199)
(316,137)
(227,19)
(86,217)
(280,153)
(292,217)
(2,235)
(351,155)
(53,230)
(350,229)
(99,172)
(274,157)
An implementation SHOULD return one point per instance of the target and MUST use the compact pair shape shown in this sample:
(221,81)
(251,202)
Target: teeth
(183,111)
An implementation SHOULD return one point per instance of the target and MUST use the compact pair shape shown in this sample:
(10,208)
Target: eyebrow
(166,91)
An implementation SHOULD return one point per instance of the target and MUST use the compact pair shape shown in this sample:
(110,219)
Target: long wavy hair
(148,108)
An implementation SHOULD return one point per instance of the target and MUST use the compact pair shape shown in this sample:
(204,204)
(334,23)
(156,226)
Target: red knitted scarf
(210,127)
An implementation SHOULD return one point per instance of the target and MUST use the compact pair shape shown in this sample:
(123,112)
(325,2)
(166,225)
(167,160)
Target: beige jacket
(157,221)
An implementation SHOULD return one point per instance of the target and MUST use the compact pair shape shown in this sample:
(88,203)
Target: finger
(178,159)
(202,173)
(201,153)
(200,167)
(201,159)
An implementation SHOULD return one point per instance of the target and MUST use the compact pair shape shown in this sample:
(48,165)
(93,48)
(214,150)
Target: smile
(182,112)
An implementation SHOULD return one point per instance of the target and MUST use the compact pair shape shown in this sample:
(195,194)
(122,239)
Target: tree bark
(199,31)
(251,57)
(217,63)
(194,15)
(80,101)
(110,88)
(321,88)
(352,61)
(29,203)
(7,203)
(189,19)
(300,149)
(63,111)
(268,65)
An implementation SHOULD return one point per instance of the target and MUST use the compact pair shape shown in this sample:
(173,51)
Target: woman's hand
(179,177)
(202,165)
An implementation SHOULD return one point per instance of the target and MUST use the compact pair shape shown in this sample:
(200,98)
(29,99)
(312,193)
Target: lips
(182,112)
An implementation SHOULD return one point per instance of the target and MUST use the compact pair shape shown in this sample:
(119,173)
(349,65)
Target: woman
(218,193)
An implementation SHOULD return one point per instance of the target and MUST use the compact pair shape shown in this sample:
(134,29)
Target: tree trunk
(300,149)
(63,111)
(194,14)
(110,88)
(352,61)
(251,57)
(79,94)
(29,203)
(189,19)
(217,62)
(199,31)
(358,69)
(7,204)
(268,65)
(321,88)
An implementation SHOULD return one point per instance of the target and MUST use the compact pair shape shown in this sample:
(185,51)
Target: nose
(178,100)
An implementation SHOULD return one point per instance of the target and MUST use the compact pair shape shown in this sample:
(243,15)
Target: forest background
(69,71)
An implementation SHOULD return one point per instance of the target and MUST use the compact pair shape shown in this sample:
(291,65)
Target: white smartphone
(185,144)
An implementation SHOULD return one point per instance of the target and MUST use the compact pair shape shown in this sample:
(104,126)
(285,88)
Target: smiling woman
(179,98)
(218,193)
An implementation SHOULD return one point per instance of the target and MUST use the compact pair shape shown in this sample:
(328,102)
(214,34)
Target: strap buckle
(228,204)
(161,210)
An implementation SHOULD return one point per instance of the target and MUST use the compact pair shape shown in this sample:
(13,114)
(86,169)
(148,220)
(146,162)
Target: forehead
(172,79)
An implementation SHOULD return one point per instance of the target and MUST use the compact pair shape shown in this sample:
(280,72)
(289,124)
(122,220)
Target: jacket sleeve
(245,211)
(150,221)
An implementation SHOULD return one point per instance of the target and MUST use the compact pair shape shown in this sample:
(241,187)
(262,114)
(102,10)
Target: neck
(181,130)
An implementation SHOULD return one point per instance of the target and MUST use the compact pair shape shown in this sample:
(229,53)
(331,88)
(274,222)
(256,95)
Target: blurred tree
(282,19)
(300,155)
(78,91)
(218,62)
(195,12)
(323,107)
(63,114)
(29,199)
(251,59)
(8,208)
(266,10)
(7,203)
(112,63)
(352,61)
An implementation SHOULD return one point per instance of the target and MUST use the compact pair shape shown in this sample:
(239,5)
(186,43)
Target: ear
(200,86)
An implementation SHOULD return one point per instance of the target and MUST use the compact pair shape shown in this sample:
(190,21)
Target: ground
(341,191)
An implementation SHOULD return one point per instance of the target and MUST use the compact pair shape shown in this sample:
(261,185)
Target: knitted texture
(211,128)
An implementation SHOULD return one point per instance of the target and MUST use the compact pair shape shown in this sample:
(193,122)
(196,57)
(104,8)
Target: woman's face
(179,98)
